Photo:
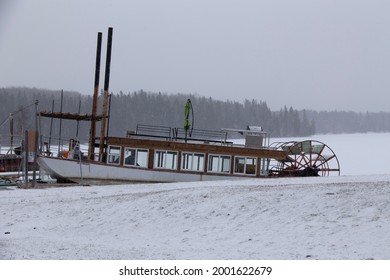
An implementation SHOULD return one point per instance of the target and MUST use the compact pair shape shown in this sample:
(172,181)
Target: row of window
(189,161)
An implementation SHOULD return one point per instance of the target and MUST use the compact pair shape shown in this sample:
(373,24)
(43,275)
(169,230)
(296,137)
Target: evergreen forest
(129,109)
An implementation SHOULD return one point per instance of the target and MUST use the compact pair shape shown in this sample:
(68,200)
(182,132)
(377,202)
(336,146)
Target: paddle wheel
(305,158)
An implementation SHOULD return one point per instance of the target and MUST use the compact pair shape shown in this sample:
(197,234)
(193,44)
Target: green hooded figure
(187,109)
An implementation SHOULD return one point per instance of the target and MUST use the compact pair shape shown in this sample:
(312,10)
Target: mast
(105,100)
(59,140)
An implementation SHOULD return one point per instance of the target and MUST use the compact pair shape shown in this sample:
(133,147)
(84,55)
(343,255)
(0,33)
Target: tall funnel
(95,98)
(105,100)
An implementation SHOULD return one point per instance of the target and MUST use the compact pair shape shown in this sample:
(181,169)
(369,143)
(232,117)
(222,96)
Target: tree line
(129,109)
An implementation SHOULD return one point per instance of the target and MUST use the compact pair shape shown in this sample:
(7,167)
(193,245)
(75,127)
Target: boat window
(219,164)
(165,159)
(136,157)
(142,158)
(245,165)
(130,156)
(192,161)
(114,154)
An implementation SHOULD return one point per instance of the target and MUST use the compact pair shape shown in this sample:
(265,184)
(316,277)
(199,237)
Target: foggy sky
(309,54)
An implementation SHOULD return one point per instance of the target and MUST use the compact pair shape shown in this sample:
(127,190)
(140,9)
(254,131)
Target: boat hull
(73,170)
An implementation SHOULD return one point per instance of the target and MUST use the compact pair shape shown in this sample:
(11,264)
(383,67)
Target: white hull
(70,169)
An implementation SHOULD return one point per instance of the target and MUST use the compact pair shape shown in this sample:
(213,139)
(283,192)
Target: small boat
(10,162)
(7,185)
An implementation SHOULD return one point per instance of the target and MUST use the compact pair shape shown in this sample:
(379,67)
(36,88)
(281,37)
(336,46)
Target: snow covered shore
(345,217)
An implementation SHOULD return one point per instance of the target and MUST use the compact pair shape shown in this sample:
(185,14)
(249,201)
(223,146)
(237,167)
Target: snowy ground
(345,217)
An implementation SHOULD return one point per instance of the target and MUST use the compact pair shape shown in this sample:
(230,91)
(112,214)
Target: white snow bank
(345,217)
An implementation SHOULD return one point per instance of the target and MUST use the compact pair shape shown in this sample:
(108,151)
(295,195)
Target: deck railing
(173,133)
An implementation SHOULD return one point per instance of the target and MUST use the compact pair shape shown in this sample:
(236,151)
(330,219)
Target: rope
(16,112)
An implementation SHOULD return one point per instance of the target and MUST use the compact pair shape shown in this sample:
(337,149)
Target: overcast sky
(309,54)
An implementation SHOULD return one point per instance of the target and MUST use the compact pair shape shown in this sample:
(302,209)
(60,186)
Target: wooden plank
(69,116)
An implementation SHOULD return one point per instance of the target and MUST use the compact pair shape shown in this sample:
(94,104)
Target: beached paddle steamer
(165,154)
